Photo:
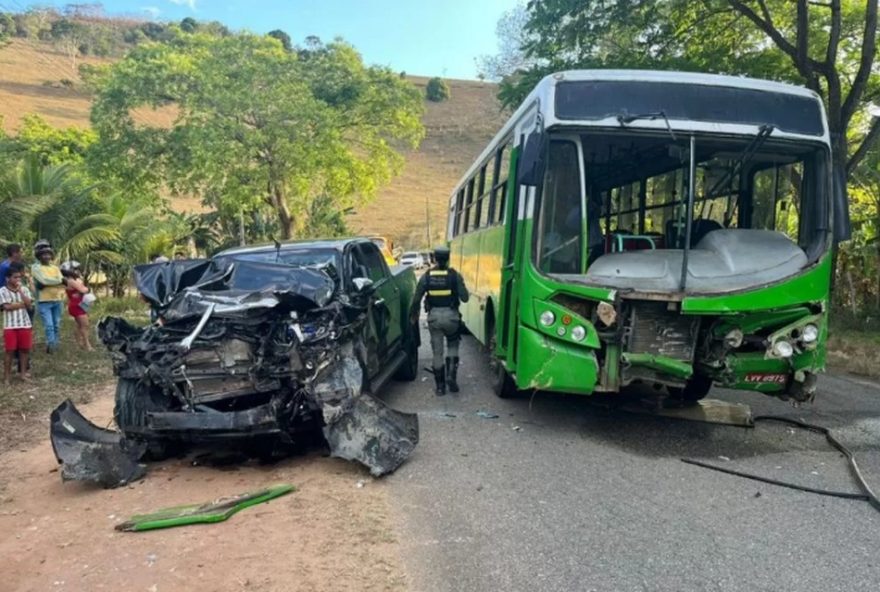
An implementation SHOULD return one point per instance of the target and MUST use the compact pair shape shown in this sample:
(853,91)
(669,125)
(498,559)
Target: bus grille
(655,330)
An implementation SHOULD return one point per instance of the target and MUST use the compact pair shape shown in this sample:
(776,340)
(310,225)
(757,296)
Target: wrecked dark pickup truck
(263,347)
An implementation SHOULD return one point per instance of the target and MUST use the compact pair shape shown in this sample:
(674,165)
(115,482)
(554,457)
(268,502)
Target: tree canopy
(829,46)
(256,127)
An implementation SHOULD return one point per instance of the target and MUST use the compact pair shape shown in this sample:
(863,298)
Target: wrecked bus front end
(255,352)
(671,229)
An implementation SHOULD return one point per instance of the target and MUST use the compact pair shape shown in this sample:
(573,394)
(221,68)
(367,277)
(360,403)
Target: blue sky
(435,38)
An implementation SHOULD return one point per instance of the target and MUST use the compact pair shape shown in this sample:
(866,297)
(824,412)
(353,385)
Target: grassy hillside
(31,78)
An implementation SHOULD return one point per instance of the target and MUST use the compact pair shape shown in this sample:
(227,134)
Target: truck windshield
(628,191)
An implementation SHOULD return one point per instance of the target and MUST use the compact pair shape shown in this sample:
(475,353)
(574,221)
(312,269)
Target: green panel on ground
(204,513)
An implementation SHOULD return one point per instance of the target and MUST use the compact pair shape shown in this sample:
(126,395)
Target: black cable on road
(867,495)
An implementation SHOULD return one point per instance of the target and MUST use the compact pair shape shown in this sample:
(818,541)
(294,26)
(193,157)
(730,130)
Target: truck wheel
(695,390)
(409,370)
(133,401)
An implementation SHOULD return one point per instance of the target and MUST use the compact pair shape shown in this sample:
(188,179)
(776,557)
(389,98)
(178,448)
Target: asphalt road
(559,494)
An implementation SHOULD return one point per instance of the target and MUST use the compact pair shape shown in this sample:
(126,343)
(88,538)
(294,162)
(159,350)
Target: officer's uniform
(443,289)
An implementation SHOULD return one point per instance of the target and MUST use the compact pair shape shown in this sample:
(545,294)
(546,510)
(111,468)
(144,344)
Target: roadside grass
(854,343)
(69,373)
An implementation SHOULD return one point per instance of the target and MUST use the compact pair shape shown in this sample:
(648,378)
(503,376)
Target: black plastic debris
(87,452)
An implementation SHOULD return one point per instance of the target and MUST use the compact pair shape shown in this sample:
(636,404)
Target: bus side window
(499,183)
(466,212)
(481,214)
(776,199)
(459,208)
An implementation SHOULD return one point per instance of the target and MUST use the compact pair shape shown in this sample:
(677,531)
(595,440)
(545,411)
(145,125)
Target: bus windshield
(615,192)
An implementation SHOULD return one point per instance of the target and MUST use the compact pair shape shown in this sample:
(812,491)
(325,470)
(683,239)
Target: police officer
(443,289)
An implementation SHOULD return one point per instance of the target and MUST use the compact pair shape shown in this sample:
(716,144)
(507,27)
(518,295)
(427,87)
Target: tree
(189,25)
(512,37)
(283,37)
(49,145)
(437,90)
(257,127)
(828,46)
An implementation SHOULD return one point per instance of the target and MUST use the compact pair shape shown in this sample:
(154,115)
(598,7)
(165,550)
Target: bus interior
(612,210)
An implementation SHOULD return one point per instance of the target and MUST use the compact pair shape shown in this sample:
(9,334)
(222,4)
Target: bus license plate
(772,378)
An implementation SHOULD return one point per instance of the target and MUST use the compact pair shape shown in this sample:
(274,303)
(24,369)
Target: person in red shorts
(15,301)
(77,302)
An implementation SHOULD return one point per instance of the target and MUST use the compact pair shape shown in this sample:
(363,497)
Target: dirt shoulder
(330,534)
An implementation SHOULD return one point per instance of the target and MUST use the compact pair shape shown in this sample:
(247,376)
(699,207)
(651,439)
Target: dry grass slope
(457,131)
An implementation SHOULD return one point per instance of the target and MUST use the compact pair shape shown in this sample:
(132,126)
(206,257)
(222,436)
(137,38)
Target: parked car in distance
(412,259)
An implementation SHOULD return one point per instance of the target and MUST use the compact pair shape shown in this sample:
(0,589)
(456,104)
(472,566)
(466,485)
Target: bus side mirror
(842,227)
(530,166)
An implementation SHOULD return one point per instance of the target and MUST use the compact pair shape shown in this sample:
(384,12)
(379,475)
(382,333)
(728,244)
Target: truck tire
(694,391)
(409,370)
(133,401)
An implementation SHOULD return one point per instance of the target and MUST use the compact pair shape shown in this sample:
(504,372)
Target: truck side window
(371,258)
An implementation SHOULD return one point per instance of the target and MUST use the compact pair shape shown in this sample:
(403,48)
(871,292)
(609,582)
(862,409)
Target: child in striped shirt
(16,300)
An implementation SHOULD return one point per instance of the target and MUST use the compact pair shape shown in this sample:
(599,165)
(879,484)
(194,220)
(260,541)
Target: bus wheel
(695,390)
(502,382)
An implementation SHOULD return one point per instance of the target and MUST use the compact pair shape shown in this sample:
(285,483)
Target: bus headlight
(547,318)
(810,333)
(578,333)
(606,313)
(783,349)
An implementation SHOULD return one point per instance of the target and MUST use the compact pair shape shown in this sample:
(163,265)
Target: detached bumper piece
(89,453)
(206,513)
(365,430)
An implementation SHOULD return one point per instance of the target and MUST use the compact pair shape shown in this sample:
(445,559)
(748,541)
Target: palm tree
(118,236)
(30,191)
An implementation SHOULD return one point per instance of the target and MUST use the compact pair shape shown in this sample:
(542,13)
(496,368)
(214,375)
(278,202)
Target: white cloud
(190,3)
(153,11)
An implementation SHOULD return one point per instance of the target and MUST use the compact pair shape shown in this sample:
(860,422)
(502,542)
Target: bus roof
(544,92)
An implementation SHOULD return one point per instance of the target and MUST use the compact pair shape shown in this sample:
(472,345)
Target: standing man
(443,289)
(13,255)
(50,293)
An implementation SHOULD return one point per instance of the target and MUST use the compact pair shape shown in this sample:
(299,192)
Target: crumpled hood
(183,289)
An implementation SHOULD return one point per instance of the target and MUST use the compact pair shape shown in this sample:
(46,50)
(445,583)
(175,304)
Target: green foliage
(49,145)
(189,25)
(437,90)
(7,26)
(283,37)
(258,128)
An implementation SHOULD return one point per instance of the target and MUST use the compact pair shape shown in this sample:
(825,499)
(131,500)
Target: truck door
(385,306)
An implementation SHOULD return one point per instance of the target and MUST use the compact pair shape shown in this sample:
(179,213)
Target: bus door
(506,329)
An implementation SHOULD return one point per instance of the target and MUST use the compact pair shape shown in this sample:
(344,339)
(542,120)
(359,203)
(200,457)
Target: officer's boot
(452,373)
(439,381)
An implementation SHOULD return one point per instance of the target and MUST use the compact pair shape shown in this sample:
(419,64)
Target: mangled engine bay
(243,351)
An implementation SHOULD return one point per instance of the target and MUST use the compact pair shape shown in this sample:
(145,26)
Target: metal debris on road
(487,415)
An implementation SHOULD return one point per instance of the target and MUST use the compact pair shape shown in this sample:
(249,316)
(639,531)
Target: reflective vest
(441,289)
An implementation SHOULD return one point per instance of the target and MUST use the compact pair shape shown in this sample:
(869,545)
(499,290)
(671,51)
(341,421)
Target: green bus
(664,228)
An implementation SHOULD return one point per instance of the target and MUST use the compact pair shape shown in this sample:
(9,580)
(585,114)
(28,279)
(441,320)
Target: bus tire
(694,391)
(503,384)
